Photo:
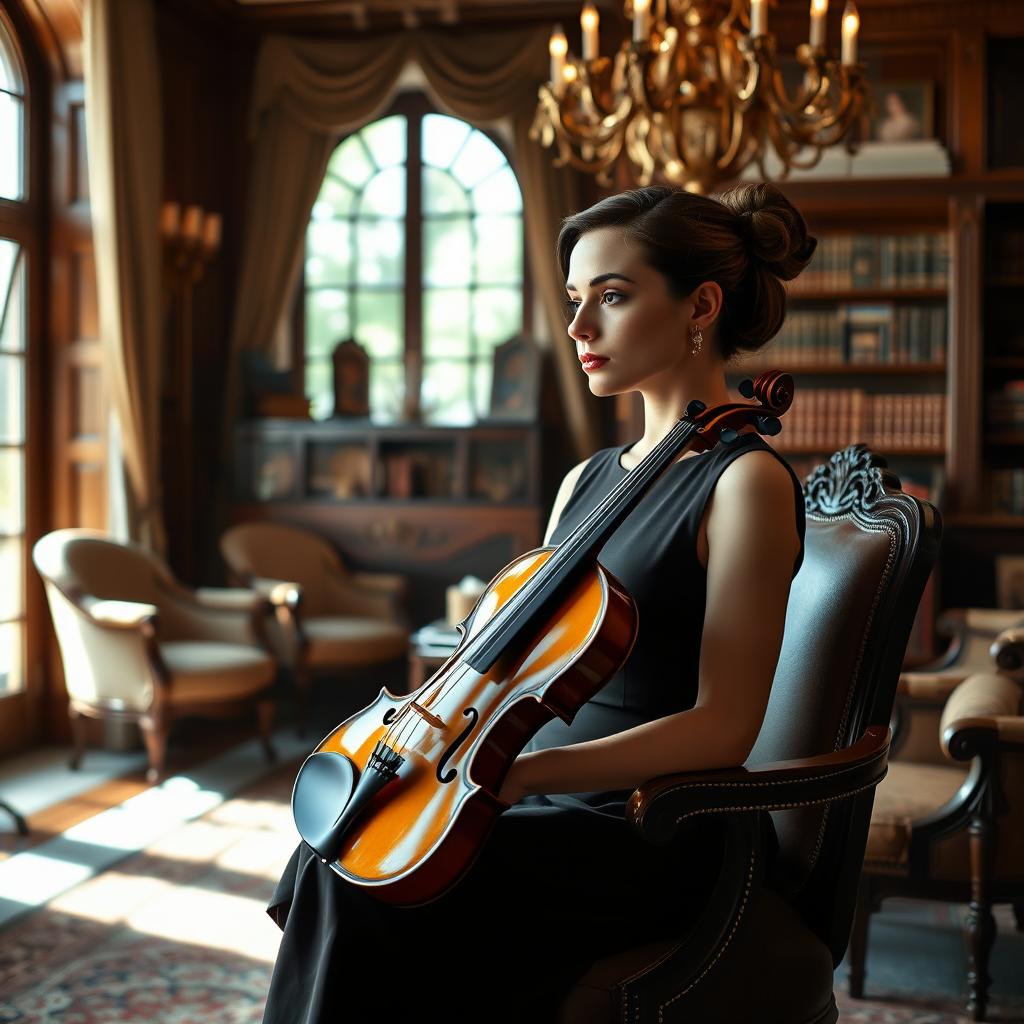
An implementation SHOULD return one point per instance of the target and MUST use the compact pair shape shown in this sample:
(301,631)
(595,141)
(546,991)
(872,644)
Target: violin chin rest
(322,791)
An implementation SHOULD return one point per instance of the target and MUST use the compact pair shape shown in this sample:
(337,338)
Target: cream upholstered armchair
(330,619)
(136,644)
(923,692)
(955,831)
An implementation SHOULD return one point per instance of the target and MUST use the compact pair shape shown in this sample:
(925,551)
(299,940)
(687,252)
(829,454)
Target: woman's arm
(752,546)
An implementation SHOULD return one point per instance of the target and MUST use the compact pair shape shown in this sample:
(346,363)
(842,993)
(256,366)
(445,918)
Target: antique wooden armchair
(330,619)
(764,948)
(955,831)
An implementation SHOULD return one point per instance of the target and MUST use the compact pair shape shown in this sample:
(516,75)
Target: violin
(399,798)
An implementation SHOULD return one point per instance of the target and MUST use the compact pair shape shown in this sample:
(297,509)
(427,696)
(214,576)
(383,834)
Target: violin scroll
(772,392)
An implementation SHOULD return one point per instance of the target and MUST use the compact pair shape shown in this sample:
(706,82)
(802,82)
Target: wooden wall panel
(85,321)
(88,488)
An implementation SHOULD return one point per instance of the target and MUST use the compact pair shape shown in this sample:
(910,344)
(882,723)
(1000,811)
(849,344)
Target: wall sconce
(190,237)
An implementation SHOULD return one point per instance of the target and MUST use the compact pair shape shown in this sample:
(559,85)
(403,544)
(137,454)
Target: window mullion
(413,268)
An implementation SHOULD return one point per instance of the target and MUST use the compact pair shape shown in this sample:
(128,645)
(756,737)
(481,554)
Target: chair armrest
(187,616)
(280,593)
(359,594)
(933,686)
(382,582)
(235,599)
(1007,650)
(658,807)
(117,614)
(984,711)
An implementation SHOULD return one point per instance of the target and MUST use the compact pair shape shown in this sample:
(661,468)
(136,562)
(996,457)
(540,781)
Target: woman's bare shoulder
(565,490)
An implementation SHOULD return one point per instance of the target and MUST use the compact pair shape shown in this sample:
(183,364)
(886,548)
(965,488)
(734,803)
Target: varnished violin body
(399,798)
(477,723)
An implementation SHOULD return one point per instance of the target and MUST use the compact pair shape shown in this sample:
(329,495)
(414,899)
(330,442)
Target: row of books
(845,261)
(1006,407)
(880,334)
(1008,491)
(831,418)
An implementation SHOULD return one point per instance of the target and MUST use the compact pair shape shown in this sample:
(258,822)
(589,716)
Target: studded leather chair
(764,948)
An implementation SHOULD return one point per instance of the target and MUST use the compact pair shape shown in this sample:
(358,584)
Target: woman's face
(624,313)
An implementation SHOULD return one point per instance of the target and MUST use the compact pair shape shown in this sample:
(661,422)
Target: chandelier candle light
(698,94)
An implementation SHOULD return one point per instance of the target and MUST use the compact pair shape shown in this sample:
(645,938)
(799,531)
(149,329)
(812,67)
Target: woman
(663,288)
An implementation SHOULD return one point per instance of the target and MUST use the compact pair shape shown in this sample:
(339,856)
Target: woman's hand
(518,782)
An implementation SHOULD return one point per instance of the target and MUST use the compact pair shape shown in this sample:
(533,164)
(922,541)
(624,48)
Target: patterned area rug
(177,934)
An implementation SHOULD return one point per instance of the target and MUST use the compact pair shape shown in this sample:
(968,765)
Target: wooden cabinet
(433,503)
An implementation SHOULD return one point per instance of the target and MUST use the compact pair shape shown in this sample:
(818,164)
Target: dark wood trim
(27,223)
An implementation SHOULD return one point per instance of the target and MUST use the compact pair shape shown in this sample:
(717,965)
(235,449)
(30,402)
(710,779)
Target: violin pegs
(695,408)
(768,425)
(728,435)
(746,388)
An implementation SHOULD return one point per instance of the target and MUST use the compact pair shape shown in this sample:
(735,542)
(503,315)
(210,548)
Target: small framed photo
(515,383)
(351,366)
(902,111)
(1010,581)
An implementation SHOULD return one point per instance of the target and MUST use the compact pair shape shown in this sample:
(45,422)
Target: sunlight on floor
(216,920)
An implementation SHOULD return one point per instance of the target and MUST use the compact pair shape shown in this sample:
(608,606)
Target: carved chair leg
(78,727)
(859,938)
(265,717)
(981,922)
(155,731)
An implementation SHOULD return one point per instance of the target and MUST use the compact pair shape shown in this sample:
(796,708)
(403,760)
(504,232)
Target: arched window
(13,336)
(12,119)
(415,249)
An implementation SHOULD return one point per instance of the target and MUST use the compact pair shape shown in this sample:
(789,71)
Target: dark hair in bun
(748,239)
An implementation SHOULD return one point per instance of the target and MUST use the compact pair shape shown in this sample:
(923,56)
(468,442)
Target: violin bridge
(436,722)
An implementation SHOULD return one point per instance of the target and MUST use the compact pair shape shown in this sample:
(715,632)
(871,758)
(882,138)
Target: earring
(697,338)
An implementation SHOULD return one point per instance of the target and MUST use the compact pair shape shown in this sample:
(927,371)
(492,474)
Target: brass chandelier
(698,94)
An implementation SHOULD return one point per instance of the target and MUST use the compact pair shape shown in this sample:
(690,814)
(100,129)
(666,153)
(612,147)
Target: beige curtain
(309,92)
(122,106)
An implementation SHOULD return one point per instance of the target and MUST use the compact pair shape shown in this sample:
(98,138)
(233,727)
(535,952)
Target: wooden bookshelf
(848,369)
(866,295)
(888,451)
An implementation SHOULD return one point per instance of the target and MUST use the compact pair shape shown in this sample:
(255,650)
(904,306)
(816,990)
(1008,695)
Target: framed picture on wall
(1010,581)
(515,382)
(351,366)
(902,111)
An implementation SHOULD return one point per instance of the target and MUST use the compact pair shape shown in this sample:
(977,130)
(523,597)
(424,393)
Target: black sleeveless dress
(563,879)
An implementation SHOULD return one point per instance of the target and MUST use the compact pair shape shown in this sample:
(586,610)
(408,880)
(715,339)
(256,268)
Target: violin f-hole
(473,715)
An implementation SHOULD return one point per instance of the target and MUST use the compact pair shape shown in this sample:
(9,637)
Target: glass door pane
(12,465)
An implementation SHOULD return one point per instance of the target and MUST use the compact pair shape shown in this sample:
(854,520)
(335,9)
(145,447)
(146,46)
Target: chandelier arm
(697,102)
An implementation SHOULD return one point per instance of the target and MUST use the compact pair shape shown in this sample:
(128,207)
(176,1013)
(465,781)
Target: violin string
(639,477)
(563,553)
(580,536)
